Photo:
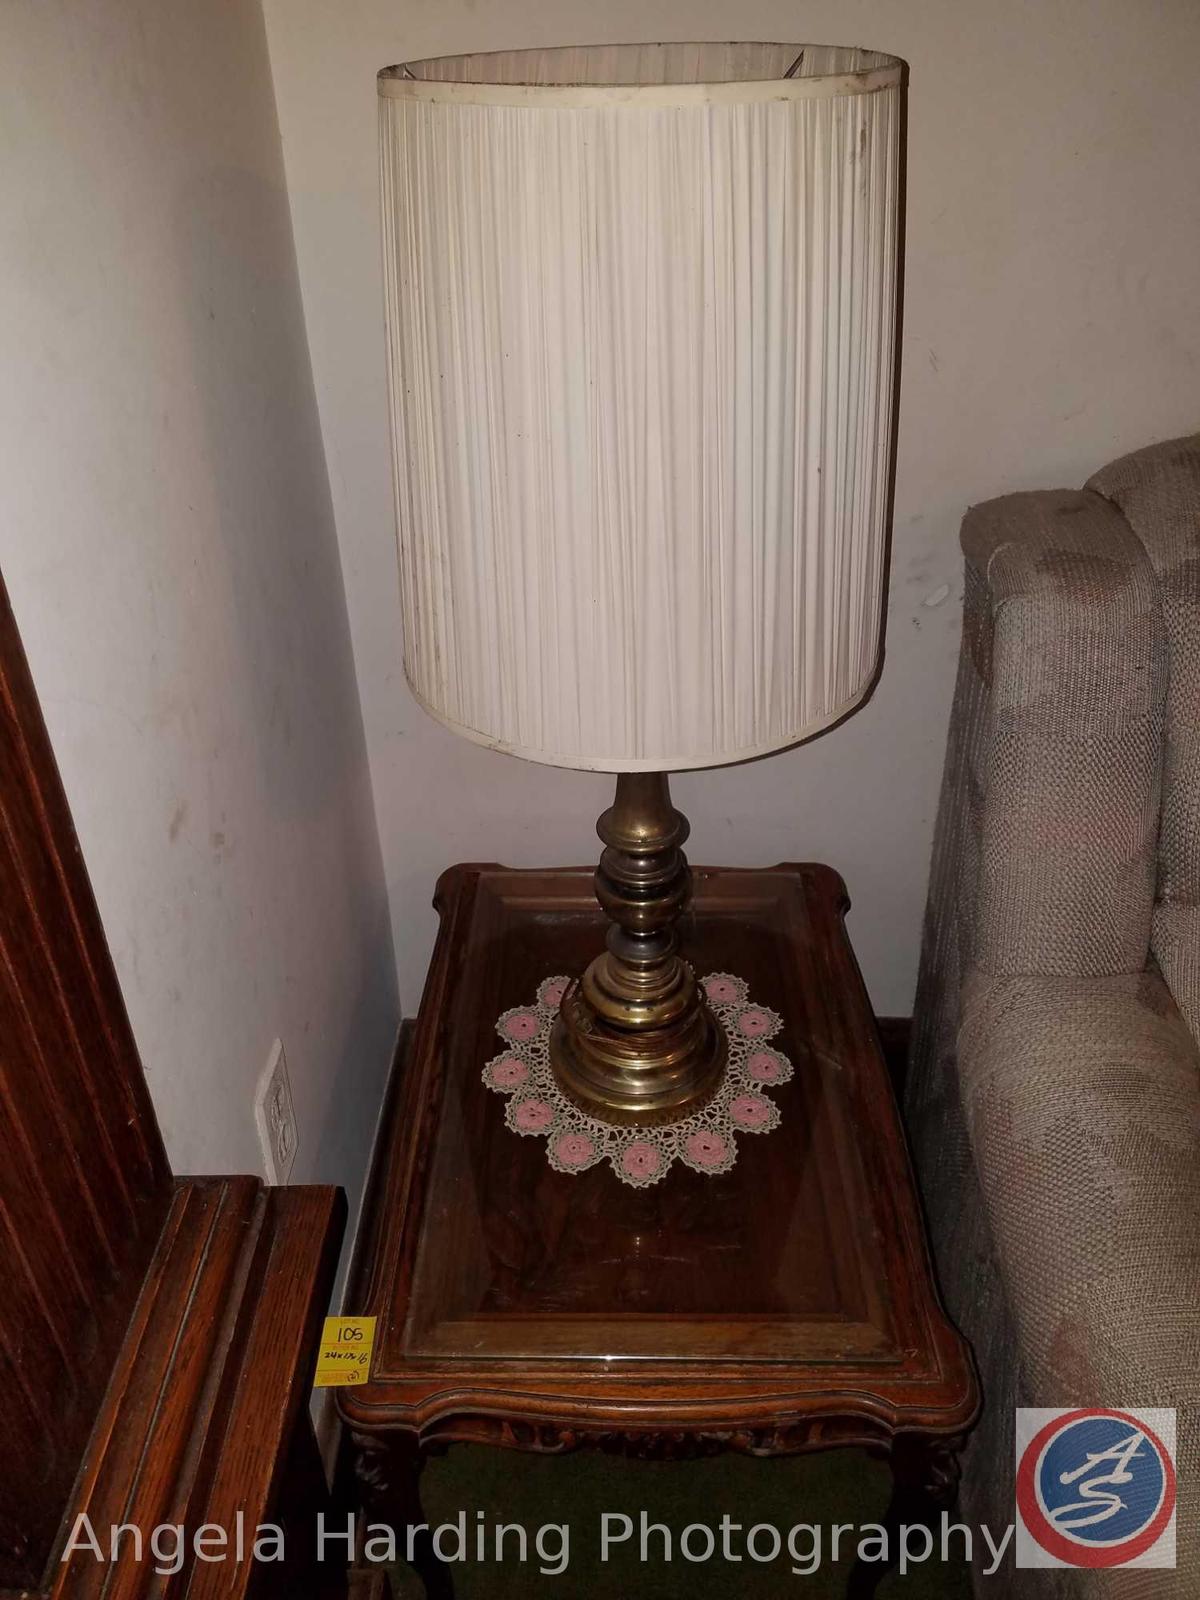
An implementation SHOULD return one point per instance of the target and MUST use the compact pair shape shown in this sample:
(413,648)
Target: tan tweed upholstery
(1054,1090)
(1068,640)
(1158,490)
(1082,1099)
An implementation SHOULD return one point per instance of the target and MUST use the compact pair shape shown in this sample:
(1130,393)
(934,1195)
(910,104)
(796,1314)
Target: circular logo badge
(1096,1488)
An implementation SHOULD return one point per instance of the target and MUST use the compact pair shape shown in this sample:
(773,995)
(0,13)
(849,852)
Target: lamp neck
(635,1042)
(643,881)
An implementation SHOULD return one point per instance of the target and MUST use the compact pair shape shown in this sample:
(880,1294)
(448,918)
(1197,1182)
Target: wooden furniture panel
(84,1182)
(157,1338)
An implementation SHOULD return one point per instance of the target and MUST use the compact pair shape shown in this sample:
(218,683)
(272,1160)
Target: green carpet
(841,1486)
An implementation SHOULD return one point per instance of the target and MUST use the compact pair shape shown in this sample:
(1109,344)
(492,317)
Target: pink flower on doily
(533,1116)
(764,1067)
(552,991)
(574,1149)
(754,1023)
(705,1148)
(642,1159)
(521,1026)
(750,1111)
(721,991)
(509,1073)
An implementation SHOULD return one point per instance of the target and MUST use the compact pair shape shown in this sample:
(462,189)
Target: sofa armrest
(1064,631)
(1082,1101)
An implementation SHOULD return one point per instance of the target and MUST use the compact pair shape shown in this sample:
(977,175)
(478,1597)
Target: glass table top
(780,1258)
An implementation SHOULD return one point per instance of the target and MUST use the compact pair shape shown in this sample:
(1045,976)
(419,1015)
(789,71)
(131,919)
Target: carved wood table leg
(388,1469)
(924,1484)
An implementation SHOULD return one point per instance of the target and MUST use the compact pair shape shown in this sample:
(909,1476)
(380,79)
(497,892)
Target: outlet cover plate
(275,1118)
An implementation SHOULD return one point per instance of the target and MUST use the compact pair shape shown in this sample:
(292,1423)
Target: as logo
(1095,1488)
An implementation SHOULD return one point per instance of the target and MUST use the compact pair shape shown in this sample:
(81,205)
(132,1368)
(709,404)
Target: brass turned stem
(635,1041)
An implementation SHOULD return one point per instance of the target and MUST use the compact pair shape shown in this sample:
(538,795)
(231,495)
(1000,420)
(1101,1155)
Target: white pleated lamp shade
(640,314)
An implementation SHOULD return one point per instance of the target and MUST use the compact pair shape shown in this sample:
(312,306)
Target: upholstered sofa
(1054,1081)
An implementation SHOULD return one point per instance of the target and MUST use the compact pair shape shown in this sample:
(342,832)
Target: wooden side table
(786,1305)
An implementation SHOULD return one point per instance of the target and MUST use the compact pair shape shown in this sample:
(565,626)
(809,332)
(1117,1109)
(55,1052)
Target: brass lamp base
(635,1042)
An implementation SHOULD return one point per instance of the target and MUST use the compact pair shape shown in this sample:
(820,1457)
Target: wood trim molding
(212,1377)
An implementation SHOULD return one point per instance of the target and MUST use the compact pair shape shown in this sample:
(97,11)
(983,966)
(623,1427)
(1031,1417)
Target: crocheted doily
(706,1141)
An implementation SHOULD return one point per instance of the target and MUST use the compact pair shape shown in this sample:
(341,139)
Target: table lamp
(640,321)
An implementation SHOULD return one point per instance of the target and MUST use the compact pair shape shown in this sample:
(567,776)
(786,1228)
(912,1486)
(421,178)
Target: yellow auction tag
(345,1354)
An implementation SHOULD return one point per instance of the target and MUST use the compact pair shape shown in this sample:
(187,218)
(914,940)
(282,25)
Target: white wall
(1051,321)
(167,537)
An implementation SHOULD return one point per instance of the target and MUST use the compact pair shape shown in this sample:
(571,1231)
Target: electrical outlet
(275,1116)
